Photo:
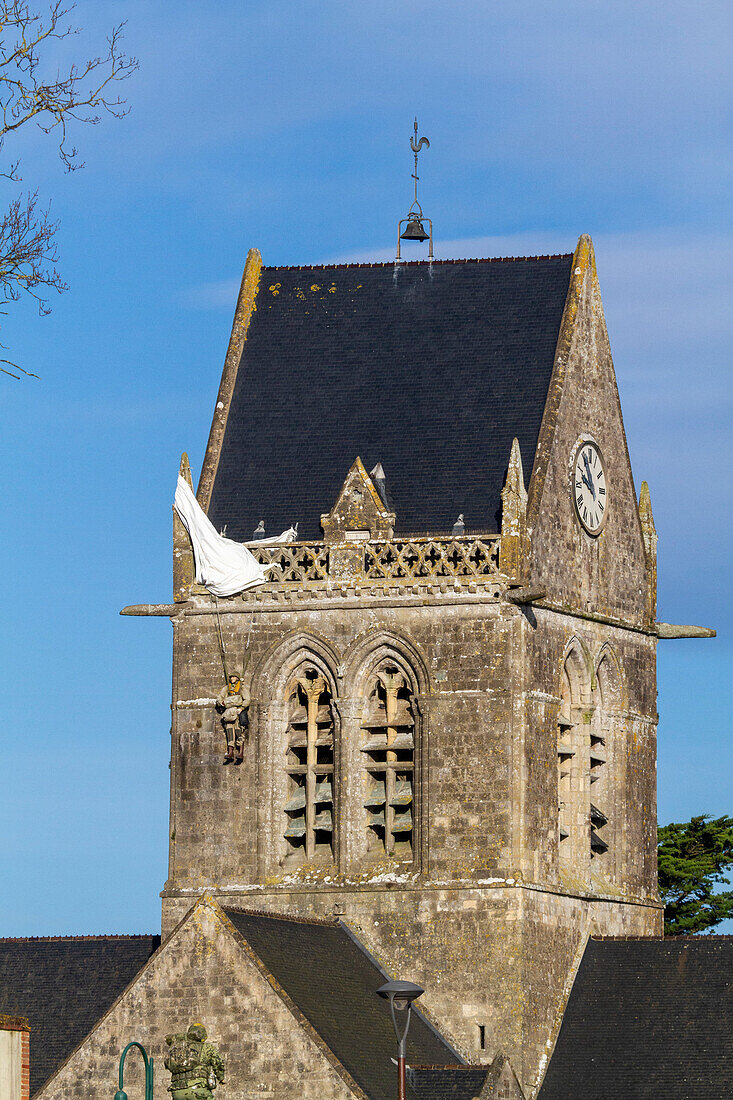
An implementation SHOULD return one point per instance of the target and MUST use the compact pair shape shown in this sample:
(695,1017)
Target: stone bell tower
(452,733)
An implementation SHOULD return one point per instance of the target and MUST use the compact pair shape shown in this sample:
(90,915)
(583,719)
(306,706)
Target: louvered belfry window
(598,820)
(388,747)
(309,767)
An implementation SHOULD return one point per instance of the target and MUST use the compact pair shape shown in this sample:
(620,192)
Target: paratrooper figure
(196,1067)
(232,702)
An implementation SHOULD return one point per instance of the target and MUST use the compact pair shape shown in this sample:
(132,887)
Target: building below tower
(425,748)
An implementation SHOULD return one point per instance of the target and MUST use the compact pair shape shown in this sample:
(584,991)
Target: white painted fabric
(223,566)
(287,536)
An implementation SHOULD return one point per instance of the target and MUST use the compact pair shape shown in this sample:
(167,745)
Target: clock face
(589,487)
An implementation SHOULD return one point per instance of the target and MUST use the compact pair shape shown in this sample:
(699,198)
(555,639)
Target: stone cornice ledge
(163,610)
(339,887)
(596,617)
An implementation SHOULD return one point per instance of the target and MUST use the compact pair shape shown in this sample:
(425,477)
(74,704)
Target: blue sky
(285,126)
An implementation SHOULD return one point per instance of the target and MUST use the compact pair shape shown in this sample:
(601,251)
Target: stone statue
(196,1067)
(233,702)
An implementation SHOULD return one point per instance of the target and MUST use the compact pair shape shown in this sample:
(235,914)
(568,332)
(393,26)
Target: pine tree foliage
(694,857)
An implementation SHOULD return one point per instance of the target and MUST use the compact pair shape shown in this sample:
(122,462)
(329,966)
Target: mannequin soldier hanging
(232,702)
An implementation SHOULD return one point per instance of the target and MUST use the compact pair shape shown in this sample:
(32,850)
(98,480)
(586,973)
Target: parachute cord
(245,658)
(215,600)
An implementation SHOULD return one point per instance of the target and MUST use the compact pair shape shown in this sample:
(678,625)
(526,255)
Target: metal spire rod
(416,146)
(414,230)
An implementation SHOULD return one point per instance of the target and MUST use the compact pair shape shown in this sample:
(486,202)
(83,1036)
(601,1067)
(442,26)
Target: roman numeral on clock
(588,487)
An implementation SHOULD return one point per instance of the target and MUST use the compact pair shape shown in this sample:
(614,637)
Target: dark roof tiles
(646,1019)
(430,369)
(333,980)
(445,1083)
(41,978)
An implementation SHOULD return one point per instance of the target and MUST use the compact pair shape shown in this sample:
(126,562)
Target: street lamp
(120,1095)
(400,996)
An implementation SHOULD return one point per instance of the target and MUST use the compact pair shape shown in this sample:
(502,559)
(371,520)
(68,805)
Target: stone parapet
(424,559)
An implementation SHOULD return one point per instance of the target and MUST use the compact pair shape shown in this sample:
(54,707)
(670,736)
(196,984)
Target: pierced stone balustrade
(421,559)
(426,558)
(295,561)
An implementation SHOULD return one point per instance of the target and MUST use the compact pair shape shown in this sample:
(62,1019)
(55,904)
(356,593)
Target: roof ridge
(450,1065)
(419,263)
(712,938)
(97,936)
(321,922)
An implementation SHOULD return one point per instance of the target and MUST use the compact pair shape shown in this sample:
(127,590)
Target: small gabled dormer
(358,515)
(359,512)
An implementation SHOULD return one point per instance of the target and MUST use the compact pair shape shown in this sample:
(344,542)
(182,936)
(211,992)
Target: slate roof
(647,1019)
(449,1083)
(63,985)
(333,980)
(430,369)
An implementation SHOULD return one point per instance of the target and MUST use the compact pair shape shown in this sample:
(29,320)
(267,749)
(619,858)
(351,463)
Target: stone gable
(203,974)
(606,574)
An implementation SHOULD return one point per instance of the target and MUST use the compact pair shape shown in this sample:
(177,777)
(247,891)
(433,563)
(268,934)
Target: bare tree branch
(54,101)
(28,252)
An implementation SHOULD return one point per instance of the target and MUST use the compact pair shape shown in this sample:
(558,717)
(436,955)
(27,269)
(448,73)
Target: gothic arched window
(598,782)
(573,762)
(388,748)
(589,715)
(606,722)
(565,766)
(309,767)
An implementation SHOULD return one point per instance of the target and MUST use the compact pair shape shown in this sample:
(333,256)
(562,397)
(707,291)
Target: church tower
(451,737)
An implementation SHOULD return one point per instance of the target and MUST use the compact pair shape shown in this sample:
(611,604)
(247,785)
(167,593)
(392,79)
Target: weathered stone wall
(227,827)
(202,975)
(501,957)
(607,574)
(487,916)
(555,928)
(458,920)
(628,781)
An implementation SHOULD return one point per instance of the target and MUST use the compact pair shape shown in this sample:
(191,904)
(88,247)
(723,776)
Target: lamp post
(400,996)
(120,1095)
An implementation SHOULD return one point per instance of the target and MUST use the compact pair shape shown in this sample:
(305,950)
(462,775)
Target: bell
(414,230)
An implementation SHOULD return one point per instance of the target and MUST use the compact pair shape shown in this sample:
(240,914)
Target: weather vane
(413,223)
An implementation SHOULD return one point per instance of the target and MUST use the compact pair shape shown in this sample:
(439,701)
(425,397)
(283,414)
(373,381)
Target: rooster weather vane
(414,229)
